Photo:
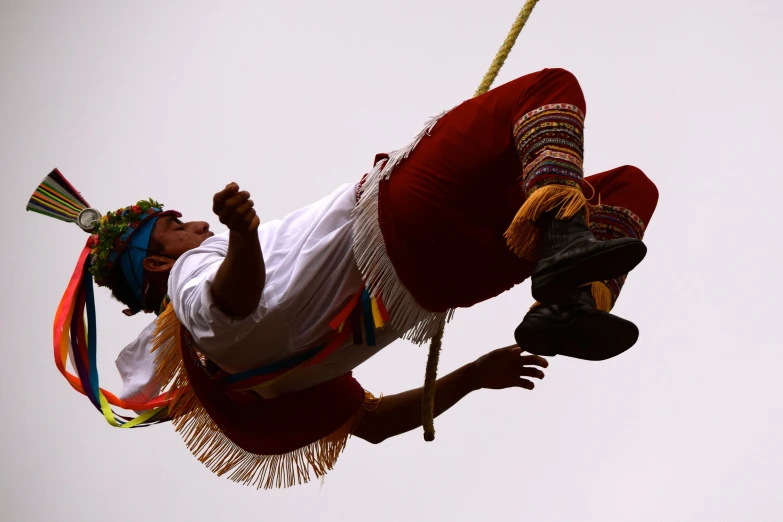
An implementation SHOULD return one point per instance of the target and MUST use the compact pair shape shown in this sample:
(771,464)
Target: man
(261,326)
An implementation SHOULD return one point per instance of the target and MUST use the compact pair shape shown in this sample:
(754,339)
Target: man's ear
(158,264)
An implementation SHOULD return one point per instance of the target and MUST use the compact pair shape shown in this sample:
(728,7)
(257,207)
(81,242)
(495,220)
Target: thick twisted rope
(428,399)
(431,375)
(505,49)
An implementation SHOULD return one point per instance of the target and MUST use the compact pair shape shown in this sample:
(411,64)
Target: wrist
(471,376)
(245,234)
(243,238)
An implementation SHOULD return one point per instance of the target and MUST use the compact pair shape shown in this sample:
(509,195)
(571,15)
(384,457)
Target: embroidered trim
(615,286)
(407,316)
(610,222)
(550,143)
(552,155)
(553,107)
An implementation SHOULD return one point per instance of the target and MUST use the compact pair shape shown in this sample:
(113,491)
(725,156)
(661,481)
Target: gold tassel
(430,381)
(602,296)
(219,453)
(521,234)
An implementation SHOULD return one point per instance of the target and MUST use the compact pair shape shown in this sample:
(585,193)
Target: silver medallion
(88,219)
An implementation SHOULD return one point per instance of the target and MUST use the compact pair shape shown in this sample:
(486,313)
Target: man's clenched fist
(235,209)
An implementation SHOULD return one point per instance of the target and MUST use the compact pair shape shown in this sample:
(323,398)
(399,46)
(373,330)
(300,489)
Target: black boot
(575,329)
(571,256)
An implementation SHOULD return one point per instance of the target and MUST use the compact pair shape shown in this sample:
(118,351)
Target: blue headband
(132,261)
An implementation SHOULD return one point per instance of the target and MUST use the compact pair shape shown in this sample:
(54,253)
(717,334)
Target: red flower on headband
(93,241)
(136,209)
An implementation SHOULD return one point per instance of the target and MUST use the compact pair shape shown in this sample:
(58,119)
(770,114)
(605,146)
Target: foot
(571,256)
(575,329)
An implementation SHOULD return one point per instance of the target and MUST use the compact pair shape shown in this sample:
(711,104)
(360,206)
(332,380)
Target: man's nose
(201,227)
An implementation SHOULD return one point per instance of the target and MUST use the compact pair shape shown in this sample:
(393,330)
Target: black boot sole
(594,336)
(557,286)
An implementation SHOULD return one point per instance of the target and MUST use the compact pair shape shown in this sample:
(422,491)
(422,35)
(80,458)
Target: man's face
(176,237)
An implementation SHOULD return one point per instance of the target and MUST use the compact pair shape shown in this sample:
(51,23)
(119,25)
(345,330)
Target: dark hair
(118,284)
(120,289)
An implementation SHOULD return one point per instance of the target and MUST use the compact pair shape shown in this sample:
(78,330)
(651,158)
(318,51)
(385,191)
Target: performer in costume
(260,327)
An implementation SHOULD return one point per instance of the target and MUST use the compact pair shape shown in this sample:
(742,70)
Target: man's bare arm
(499,369)
(239,281)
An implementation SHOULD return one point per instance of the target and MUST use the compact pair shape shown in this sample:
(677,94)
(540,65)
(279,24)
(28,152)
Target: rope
(505,49)
(431,375)
(428,399)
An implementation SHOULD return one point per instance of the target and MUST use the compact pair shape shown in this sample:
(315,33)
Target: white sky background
(173,100)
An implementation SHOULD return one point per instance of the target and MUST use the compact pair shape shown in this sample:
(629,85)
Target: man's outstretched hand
(235,209)
(499,369)
(507,368)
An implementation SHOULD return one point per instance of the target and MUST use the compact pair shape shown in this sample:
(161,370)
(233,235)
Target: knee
(561,75)
(542,88)
(555,79)
(641,183)
(562,86)
(641,192)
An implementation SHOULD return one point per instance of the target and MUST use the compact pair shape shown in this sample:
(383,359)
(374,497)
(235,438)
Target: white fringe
(418,324)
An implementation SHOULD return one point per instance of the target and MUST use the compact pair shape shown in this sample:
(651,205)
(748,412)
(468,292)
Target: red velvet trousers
(445,208)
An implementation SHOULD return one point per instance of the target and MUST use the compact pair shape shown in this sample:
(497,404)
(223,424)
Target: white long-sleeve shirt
(311,273)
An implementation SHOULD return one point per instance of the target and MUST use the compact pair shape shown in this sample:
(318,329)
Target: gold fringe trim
(602,296)
(223,457)
(521,236)
(219,453)
(166,343)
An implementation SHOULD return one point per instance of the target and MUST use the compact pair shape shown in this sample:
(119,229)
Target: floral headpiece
(111,234)
(75,330)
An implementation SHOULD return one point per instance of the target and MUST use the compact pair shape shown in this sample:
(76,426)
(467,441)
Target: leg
(622,205)
(624,201)
(551,227)
(444,210)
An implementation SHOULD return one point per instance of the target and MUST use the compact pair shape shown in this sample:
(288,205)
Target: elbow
(370,435)
(238,314)
(375,439)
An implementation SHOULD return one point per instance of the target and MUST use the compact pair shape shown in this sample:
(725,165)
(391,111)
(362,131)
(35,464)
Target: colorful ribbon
(77,341)
(57,198)
(74,341)
(371,315)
